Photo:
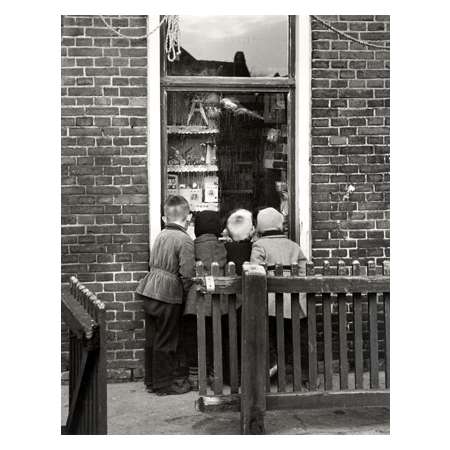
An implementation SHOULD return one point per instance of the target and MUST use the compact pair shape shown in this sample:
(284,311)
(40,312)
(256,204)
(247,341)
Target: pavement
(131,410)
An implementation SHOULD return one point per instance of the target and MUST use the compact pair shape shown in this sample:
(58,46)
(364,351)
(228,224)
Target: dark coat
(208,249)
(172,265)
(239,253)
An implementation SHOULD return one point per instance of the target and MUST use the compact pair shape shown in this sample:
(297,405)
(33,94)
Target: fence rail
(84,314)
(337,356)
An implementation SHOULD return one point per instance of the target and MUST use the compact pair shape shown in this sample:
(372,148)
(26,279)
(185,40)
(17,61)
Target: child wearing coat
(208,249)
(171,268)
(273,247)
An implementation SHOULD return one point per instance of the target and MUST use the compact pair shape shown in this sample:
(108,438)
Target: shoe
(174,389)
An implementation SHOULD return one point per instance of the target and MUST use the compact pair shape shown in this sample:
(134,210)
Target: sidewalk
(131,410)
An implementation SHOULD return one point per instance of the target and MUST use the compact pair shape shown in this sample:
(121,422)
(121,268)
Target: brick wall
(350,141)
(104,175)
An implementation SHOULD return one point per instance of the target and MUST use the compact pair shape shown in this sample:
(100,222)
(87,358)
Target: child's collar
(206,237)
(272,233)
(175,226)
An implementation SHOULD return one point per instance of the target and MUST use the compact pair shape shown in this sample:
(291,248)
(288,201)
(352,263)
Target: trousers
(162,329)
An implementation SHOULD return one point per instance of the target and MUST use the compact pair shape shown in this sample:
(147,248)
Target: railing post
(254,316)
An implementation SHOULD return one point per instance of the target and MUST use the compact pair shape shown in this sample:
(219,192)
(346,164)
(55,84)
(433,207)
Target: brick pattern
(350,141)
(104,175)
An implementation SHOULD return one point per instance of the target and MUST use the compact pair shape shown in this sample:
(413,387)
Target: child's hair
(240,225)
(176,207)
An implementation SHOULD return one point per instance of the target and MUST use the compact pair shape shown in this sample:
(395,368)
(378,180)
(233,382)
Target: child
(171,269)
(274,247)
(240,228)
(208,249)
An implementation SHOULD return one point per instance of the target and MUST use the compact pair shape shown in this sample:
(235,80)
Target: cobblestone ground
(131,410)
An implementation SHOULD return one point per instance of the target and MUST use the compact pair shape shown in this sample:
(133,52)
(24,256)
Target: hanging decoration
(172,44)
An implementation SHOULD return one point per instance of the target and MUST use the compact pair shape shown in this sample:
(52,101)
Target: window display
(228,150)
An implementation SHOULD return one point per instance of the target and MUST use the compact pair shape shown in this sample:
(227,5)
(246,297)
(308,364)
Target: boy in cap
(208,249)
(274,247)
(171,269)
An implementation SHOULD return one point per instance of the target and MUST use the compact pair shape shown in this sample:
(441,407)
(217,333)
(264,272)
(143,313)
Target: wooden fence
(347,339)
(84,315)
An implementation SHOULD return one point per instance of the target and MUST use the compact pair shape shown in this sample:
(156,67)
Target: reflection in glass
(232,46)
(228,150)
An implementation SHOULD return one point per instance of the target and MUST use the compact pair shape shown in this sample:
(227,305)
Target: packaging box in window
(211,192)
(192,195)
(172,184)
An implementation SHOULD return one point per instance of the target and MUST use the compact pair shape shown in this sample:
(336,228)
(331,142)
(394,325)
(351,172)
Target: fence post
(254,317)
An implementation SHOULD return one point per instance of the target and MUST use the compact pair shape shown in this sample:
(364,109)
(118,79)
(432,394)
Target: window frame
(298,91)
(180,83)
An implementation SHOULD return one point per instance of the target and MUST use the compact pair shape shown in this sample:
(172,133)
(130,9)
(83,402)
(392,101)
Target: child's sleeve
(258,254)
(187,264)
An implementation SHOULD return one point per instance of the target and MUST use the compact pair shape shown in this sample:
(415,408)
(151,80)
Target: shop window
(227,128)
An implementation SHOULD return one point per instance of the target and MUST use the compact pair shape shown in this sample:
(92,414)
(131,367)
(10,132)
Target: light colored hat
(269,219)
(239,225)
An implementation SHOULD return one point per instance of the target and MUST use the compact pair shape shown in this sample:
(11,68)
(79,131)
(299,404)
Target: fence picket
(358,337)
(343,348)
(253,397)
(312,341)
(264,265)
(217,335)
(387,338)
(217,344)
(230,270)
(279,313)
(201,344)
(373,340)
(328,356)
(296,336)
(233,343)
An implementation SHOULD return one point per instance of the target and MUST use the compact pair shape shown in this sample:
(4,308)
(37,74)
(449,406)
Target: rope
(172,44)
(351,38)
(133,37)
(173,38)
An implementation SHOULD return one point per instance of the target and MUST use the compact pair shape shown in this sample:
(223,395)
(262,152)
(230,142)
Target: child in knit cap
(240,229)
(274,247)
(208,249)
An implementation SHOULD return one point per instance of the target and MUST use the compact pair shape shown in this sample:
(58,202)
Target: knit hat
(207,222)
(269,219)
(239,225)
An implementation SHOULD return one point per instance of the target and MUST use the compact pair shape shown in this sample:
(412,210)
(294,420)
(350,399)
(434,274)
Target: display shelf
(192,168)
(237,191)
(191,129)
(205,206)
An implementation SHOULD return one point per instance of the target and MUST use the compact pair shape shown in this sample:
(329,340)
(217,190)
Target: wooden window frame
(294,86)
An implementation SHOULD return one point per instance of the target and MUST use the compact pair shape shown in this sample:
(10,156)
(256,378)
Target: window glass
(246,46)
(228,150)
